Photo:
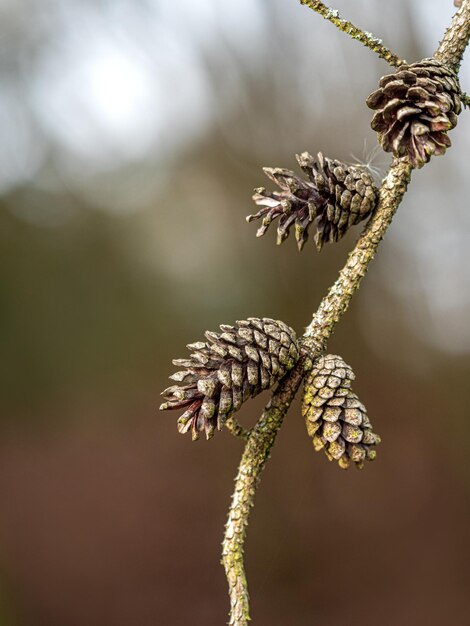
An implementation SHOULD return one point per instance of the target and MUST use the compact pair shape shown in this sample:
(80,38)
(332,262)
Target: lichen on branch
(367,39)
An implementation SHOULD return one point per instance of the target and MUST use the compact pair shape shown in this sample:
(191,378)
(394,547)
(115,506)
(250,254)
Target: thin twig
(465,100)
(367,39)
(236,429)
(333,306)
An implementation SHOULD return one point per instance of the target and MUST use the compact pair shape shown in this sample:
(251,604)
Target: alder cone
(416,107)
(335,418)
(334,197)
(227,369)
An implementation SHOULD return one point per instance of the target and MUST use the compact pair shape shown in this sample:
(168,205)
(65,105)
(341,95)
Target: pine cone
(229,368)
(335,197)
(335,418)
(416,107)
(458,3)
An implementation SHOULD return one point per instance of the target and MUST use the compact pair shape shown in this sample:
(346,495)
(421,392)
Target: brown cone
(335,419)
(416,107)
(335,197)
(227,369)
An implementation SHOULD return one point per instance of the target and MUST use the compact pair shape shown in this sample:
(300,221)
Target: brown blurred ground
(107,516)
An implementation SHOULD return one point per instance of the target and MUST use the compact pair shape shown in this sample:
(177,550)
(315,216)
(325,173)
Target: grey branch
(334,305)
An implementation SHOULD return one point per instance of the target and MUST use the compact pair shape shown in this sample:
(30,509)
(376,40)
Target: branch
(254,458)
(456,38)
(236,429)
(367,39)
(334,305)
(263,435)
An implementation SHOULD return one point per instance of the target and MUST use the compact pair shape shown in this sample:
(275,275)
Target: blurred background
(132,134)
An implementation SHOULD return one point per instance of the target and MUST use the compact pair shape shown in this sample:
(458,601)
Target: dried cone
(335,197)
(335,418)
(416,107)
(227,369)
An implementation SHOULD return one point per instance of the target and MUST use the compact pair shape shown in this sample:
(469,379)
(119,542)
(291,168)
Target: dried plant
(415,108)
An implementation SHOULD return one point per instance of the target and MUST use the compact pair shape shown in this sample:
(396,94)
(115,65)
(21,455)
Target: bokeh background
(132,133)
